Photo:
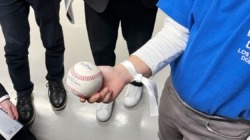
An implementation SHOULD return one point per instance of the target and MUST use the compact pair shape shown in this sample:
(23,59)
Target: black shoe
(57,95)
(25,110)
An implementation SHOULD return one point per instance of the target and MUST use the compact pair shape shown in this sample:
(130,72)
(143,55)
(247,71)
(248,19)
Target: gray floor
(78,121)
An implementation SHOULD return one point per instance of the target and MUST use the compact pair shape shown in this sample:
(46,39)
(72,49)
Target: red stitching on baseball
(77,93)
(82,77)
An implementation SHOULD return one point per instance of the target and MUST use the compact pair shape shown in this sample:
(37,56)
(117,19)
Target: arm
(163,48)
(157,53)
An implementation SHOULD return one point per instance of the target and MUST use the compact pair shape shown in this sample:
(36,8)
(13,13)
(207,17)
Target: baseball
(84,79)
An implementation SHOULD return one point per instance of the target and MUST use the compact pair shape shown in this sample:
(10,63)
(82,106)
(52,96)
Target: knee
(56,50)
(16,60)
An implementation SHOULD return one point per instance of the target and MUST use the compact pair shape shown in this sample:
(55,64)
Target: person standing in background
(16,30)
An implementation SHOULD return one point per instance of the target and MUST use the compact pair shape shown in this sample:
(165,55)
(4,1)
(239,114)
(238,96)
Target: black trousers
(137,24)
(23,134)
(15,26)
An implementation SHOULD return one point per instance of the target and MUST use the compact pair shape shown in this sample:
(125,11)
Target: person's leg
(136,30)
(170,112)
(15,27)
(102,33)
(47,18)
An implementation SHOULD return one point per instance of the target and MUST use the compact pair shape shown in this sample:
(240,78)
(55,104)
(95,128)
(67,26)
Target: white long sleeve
(4,98)
(165,46)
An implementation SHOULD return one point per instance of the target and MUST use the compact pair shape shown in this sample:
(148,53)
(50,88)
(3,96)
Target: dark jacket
(2,91)
(100,5)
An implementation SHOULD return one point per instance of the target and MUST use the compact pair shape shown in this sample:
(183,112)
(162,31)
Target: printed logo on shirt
(248,45)
(245,54)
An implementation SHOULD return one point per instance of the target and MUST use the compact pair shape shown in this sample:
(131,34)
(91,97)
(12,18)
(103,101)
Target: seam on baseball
(77,93)
(84,78)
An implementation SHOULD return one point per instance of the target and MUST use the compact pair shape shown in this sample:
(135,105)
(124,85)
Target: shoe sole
(28,125)
(109,116)
(60,108)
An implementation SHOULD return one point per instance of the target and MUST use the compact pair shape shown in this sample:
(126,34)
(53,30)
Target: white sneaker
(104,111)
(132,96)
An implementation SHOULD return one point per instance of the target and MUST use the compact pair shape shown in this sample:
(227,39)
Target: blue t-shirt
(213,73)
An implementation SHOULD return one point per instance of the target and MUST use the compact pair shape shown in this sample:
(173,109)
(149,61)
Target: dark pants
(23,134)
(137,24)
(16,30)
(179,121)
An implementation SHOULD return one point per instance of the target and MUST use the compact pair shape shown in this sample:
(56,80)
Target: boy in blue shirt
(207,46)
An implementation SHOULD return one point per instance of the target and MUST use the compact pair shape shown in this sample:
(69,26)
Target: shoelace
(21,100)
(52,86)
(104,106)
(132,90)
(55,86)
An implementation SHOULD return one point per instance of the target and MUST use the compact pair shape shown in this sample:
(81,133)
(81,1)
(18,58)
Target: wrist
(4,98)
(124,73)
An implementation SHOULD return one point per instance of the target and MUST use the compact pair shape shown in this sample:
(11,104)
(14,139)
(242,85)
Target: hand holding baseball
(114,81)
(84,79)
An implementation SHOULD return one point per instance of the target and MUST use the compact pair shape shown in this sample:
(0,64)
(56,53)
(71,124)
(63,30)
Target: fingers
(92,99)
(10,113)
(107,98)
(99,96)
(82,99)
(14,110)
(95,98)
(103,96)
(9,108)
